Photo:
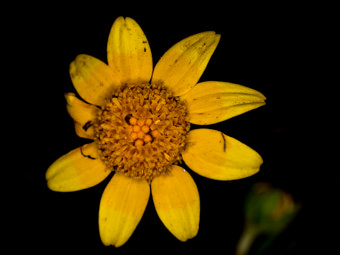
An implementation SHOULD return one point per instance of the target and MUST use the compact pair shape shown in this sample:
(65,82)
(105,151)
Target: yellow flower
(139,120)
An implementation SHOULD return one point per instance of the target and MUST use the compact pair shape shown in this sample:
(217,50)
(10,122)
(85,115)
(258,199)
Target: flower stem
(246,240)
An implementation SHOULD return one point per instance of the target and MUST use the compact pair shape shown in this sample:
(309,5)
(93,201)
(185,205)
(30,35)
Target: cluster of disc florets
(141,131)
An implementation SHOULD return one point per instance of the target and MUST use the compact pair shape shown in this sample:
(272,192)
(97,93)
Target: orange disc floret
(141,130)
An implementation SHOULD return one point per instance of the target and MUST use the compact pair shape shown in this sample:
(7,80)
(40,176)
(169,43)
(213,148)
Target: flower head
(139,120)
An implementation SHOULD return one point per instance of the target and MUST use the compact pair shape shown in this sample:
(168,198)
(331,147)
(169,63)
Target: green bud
(268,211)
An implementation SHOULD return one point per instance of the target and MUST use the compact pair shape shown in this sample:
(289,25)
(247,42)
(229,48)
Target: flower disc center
(141,131)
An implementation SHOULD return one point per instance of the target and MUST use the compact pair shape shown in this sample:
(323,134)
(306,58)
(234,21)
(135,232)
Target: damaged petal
(86,156)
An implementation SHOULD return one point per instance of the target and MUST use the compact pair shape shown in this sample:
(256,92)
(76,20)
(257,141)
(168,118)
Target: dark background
(270,48)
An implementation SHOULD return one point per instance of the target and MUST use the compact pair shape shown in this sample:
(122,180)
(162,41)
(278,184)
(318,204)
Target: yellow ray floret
(128,51)
(182,65)
(212,102)
(215,155)
(79,169)
(177,202)
(92,79)
(121,208)
(83,115)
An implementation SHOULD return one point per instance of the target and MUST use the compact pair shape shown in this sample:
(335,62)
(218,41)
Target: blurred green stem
(246,240)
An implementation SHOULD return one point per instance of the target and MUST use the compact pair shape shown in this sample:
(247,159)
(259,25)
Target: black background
(270,48)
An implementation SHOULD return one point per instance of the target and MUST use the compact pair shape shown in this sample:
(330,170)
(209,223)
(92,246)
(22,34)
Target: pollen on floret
(147,138)
(141,130)
(145,129)
(148,122)
(141,134)
(154,133)
(133,121)
(134,135)
(136,128)
(139,142)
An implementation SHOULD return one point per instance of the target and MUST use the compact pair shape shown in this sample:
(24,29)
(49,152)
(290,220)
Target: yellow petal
(177,202)
(79,169)
(215,155)
(182,65)
(121,208)
(128,51)
(212,102)
(83,115)
(93,79)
